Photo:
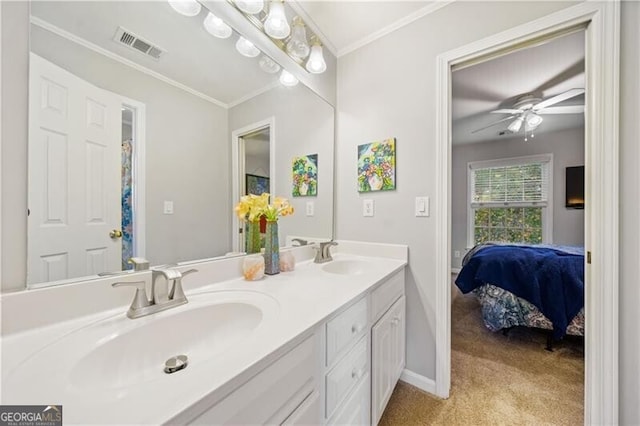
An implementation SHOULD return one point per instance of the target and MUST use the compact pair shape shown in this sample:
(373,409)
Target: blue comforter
(551,278)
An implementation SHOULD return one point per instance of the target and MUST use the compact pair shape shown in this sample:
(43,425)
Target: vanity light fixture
(186,7)
(246,48)
(297,45)
(288,79)
(276,25)
(316,63)
(216,26)
(268,65)
(251,7)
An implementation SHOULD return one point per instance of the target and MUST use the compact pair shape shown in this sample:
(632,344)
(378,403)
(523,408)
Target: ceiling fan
(527,111)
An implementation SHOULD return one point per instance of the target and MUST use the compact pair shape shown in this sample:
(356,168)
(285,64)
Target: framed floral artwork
(377,166)
(305,176)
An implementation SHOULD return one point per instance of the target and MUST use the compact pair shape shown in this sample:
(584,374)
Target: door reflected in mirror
(131,154)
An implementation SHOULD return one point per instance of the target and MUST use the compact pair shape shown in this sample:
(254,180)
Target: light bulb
(288,79)
(186,7)
(276,25)
(250,7)
(316,63)
(534,120)
(216,26)
(246,48)
(515,125)
(268,65)
(297,45)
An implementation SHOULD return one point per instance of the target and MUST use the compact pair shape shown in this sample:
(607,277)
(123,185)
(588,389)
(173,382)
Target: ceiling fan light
(250,7)
(515,125)
(316,63)
(216,26)
(246,48)
(276,25)
(186,7)
(268,65)
(534,120)
(288,79)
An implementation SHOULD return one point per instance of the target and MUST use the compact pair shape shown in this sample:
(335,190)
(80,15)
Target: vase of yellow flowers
(279,207)
(250,209)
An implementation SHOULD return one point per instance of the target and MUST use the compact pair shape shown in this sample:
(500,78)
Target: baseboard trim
(419,381)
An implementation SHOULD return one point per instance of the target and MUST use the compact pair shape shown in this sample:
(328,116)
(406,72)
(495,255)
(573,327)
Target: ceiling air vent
(135,42)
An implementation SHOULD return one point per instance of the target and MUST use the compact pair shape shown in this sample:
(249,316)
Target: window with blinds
(508,200)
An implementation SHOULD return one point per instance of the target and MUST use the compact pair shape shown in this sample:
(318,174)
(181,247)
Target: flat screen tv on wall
(575,187)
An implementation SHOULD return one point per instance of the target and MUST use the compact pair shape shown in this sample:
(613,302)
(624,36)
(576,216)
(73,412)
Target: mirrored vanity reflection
(145,130)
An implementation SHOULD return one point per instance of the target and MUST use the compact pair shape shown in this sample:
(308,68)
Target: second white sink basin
(346,267)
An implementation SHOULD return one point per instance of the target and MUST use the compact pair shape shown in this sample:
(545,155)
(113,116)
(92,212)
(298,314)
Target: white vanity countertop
(303,298)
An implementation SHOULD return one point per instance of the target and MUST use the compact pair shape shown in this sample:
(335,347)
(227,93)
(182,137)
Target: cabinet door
(387,349)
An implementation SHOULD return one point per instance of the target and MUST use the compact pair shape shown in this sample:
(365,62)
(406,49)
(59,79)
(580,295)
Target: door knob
(116,233)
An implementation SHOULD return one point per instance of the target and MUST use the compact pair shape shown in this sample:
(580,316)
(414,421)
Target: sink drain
(175,363)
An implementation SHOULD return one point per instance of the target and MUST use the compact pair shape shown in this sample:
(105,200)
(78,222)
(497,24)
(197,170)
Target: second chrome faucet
(162,297)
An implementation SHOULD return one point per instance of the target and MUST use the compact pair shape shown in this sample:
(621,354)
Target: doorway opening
(517,124)
(253,161)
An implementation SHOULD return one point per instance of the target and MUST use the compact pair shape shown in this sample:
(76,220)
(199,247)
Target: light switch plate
(422,206)
(168,207)
(367,208)
(310,208)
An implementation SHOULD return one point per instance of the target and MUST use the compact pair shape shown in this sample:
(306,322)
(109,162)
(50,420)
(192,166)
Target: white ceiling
(545,70)
(346,25)
(209,65)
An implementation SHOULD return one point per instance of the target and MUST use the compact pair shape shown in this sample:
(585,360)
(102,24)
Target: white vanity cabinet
(387,342)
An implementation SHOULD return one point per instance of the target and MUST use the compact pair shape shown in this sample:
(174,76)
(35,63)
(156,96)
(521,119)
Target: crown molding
(437,5)
(253,94)
(94,47)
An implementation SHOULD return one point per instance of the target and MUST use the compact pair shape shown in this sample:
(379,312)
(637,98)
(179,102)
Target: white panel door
(74,175)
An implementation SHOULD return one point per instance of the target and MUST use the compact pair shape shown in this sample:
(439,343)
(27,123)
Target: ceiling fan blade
(559,98)
(494,123)
(507,111)
(575,69)
(569,109)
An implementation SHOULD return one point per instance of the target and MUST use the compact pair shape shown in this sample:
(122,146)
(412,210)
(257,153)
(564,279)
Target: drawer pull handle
(357,374)
(356,328)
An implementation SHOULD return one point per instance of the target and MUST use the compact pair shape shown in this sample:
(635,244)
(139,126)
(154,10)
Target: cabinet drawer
(384,296)
(345,329)
(273,394)
(356,409)
(346,375)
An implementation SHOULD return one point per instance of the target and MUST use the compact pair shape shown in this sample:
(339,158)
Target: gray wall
(304,124)
(567,147)
(15,106)
(629,214)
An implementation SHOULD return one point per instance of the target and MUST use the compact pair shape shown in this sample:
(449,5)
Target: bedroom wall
(567,147)
(387,91)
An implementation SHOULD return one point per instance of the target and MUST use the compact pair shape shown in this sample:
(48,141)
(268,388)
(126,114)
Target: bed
(539,286)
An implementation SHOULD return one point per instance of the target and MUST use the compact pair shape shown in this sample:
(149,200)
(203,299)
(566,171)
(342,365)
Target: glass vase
(253,237)
(271,249)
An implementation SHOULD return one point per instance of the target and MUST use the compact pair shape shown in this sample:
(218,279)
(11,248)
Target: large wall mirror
(140,123)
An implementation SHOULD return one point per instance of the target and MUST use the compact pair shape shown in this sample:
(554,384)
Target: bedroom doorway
(515,130)
(599,23)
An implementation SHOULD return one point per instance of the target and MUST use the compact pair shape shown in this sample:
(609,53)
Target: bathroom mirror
(179,102)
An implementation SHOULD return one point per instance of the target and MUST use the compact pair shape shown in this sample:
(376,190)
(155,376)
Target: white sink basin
(346,267)
(119,353)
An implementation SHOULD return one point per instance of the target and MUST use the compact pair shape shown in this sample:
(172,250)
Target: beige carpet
(498,380)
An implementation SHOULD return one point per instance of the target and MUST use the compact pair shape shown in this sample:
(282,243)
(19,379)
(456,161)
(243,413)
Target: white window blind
(523,183)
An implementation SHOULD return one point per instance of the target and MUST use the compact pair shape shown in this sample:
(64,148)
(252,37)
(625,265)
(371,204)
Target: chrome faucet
(323,251)
(161,297)
(300,241)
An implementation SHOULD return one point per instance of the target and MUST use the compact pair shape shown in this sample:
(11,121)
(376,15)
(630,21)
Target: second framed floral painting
(377,166)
